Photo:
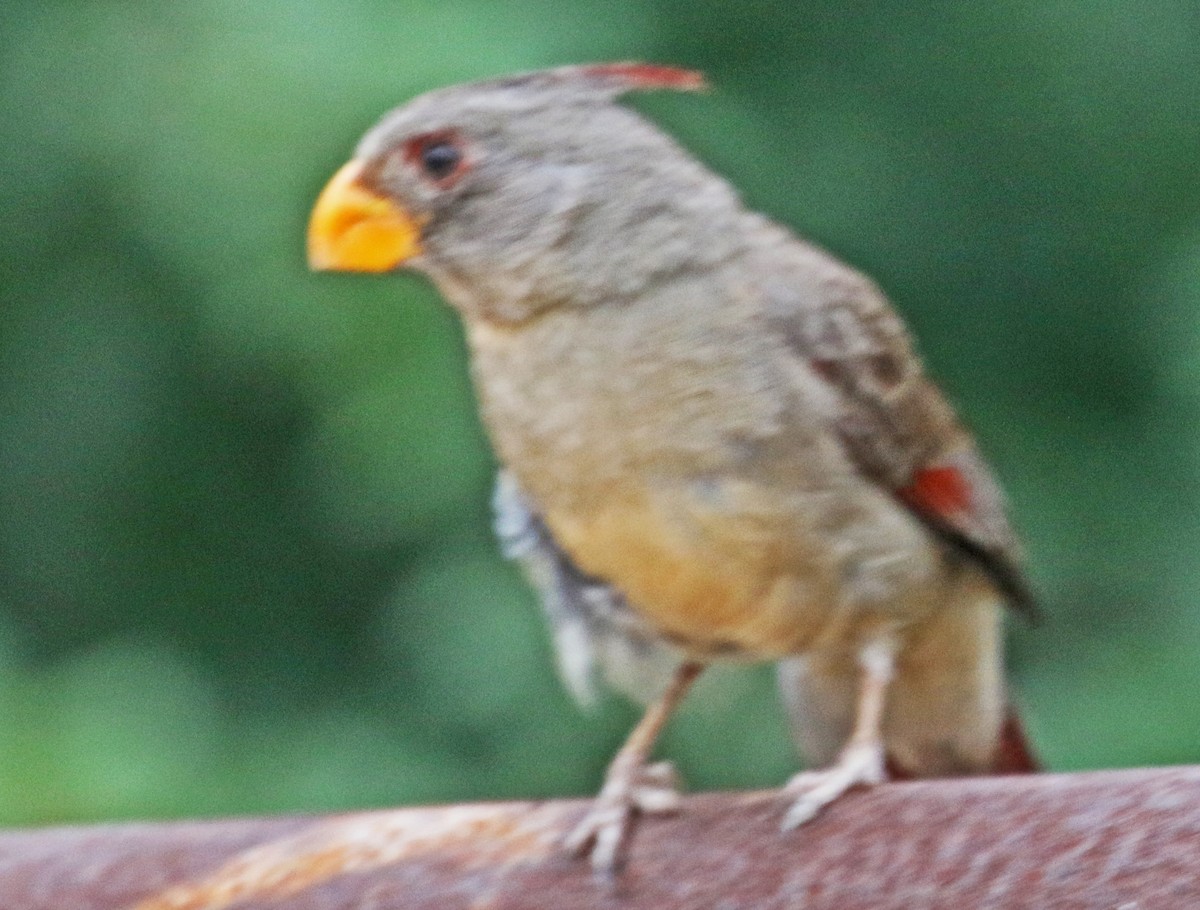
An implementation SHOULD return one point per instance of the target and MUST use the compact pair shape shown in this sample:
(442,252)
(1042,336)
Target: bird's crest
(634,77)
(610,79)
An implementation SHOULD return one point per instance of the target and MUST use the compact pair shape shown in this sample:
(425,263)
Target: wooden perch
(1120,839)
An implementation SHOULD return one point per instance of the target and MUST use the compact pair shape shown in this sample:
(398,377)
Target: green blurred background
(245,558)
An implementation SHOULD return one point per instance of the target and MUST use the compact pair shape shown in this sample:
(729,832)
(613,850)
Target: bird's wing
(592,626)
(894,423)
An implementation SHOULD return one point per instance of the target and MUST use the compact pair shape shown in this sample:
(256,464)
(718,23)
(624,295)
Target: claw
(632,785)
(859,765)
(604,832)
(862,763)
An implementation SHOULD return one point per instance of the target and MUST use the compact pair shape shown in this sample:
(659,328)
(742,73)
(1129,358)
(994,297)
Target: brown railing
(1120,840)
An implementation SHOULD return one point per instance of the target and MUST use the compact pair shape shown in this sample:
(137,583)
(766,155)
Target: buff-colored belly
(740,584)
(754,572)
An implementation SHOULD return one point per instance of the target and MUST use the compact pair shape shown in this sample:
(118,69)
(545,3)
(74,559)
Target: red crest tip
(648,76)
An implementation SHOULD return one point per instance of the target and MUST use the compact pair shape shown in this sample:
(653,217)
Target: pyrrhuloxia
(716,439)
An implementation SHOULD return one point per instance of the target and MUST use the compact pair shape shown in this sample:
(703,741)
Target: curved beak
(355,229)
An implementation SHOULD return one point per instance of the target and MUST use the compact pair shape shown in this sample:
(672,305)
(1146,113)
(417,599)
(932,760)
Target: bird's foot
(859,765)
(604,832)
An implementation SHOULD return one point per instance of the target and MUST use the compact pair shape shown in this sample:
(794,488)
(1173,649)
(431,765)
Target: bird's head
(524,192)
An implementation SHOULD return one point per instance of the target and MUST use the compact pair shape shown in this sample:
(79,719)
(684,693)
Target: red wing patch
(963,504)
(940,492)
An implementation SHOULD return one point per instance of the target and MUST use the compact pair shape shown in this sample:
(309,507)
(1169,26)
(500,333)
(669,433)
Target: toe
(603,834)
(656,791)
(801,812)
(814,790)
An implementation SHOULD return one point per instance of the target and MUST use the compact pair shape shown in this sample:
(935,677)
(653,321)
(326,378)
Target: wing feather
(894,423)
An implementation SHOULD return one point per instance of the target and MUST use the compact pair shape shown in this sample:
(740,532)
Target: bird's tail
(947,711)
(1013,754)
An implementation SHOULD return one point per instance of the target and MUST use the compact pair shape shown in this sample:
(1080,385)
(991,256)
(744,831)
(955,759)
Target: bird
(716,441)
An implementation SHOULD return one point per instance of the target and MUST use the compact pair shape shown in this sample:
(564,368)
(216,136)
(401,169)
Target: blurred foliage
(245,562)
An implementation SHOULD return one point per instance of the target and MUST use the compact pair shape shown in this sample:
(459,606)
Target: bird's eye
(440,159)
(439,156)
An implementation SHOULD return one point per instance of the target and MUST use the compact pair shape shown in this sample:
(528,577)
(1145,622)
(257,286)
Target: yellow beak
(355,229)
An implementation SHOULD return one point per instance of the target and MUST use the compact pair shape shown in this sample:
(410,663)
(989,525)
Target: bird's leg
(862,761)
(631,785)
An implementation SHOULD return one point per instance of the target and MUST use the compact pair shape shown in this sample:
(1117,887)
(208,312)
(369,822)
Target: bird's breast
(695,480)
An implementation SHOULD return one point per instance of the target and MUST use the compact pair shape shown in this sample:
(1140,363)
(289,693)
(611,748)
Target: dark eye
(440,156)
(440,159)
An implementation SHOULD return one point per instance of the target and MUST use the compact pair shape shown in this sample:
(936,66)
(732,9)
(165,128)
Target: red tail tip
(1013,754)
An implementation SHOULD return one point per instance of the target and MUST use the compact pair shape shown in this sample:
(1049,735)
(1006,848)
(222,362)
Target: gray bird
(717,441)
